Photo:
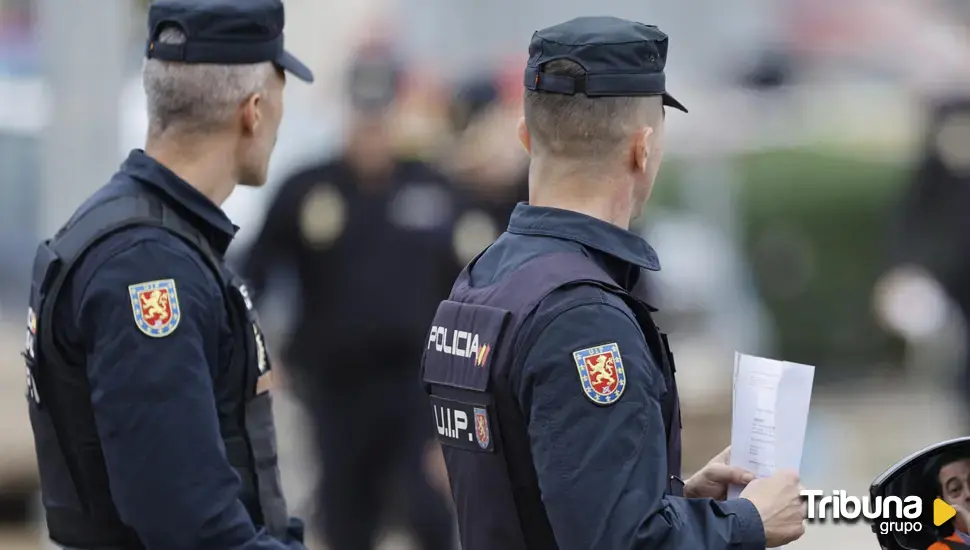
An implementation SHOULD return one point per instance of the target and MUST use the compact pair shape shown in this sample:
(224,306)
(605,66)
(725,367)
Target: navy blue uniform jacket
(601,469)
(153,397)
(369,284)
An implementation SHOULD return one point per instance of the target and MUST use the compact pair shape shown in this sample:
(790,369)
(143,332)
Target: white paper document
(771,402)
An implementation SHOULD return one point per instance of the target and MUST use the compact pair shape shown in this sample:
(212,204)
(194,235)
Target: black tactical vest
(59,396)
(483,432)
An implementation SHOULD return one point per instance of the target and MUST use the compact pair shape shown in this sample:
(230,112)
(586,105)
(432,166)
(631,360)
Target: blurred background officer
(932,227)
(150,399)
(552,388)
(367,238)
(490,169)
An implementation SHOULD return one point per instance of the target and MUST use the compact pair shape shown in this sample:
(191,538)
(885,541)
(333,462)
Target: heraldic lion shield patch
(601,373)
(155,305)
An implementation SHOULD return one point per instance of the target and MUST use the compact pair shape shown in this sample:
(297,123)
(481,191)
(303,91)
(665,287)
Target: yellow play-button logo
(942,512)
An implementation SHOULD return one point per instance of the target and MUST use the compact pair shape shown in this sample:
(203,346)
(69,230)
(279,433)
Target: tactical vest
(482,431)
(59,397)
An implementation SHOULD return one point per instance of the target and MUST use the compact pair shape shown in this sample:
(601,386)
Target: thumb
(722,473)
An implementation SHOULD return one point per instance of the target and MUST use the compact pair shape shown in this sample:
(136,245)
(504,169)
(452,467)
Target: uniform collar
(215,224)
(586,230)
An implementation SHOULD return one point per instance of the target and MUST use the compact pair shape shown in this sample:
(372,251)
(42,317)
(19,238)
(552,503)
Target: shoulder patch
(601,373)
(323,215)
(155,305)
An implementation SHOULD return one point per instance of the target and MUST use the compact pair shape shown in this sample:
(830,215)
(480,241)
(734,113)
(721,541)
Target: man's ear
(524,138)
(251,115)
(640,149)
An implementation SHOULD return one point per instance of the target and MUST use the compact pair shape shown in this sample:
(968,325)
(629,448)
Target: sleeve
(154,405)
(602,468)
(277,243)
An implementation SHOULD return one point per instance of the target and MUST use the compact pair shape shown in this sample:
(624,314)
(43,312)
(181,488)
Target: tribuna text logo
(891,514)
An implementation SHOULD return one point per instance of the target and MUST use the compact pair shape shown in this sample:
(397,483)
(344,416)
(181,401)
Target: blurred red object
(510,80)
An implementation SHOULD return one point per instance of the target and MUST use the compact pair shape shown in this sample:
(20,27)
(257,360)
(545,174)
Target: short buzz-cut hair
(582,127)
(197,98)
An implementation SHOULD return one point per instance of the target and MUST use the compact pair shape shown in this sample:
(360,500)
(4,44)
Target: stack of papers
(771,402)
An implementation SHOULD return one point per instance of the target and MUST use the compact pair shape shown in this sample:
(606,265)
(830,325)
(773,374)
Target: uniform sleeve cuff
(749,520)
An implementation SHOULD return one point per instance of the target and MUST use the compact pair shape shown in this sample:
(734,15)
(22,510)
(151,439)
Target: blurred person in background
(486,163)
(367,236)
(148,379)
(932,228)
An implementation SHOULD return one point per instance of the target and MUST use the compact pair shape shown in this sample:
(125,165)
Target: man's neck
(601,197)
(204,166)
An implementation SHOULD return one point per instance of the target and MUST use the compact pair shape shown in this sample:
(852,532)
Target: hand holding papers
(771,402)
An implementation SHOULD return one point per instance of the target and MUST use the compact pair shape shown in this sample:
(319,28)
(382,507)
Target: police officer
(491,172)
(931,228)
(148,375)
(367,238)
(552,388)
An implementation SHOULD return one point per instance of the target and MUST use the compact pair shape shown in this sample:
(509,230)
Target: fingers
(739,476)
(742,476)
(722,473)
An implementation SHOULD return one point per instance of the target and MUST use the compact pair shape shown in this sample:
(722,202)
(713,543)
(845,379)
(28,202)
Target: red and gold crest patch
(601,373)
(155,306)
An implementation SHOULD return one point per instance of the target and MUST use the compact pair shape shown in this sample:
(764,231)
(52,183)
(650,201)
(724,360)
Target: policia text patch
(462,425)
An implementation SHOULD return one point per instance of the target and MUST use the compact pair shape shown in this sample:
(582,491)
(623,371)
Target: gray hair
(581,127)
(197,98)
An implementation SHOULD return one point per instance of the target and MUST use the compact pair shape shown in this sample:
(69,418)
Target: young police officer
(148,376)
(552,388)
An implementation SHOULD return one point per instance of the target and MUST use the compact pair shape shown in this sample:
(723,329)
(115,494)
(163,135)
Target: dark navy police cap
(225,32)
(374,79)
(471,99)
(621,58)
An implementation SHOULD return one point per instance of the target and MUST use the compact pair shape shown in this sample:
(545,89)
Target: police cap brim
(669,101)
(289,63)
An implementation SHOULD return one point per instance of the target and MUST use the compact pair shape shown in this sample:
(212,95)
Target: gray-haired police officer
(148,375)
(552,388)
